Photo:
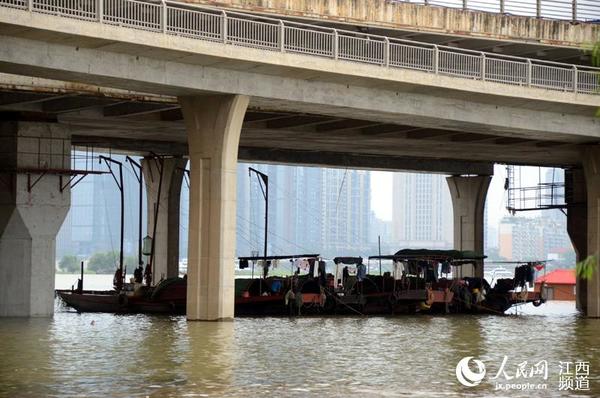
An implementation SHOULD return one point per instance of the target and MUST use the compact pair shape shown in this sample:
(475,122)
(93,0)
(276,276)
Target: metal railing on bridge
(574,10)
(248,30)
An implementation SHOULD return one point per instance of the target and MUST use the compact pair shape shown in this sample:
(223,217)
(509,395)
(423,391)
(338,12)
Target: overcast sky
(381,192)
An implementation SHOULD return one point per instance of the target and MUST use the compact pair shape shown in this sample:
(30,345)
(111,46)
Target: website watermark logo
(466,376)
(525,375)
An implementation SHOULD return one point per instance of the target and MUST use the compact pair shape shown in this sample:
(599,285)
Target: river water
(137,355)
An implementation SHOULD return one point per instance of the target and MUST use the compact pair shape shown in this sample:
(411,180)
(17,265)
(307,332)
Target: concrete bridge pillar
(32,208)
(576,198)
(468,202)
(166,208)
(590,290)
(213,125)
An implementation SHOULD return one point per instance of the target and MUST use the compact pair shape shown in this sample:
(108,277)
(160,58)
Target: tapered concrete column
(32,209)
(590,302)
(166,239)
(468,203)
(213,125)
(576,198)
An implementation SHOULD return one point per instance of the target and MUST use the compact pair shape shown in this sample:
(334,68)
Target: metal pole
(122,219)
(139,176)
(538,8)
(281,36)
(483,62)
(224,27)
(100,10)
(502,8)
(386,53)
(575,16)
(81,283)
(465,4)
(336,46)
(164,11)
(265,180)
(379,244)
(436,59)
(119,182)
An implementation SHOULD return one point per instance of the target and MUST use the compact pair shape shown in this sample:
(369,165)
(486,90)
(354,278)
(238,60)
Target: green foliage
(104,263)
(131,263)
(585,269)
(69,264)
(594,52)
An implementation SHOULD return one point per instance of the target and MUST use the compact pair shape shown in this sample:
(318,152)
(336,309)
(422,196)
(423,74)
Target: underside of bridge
(140,123)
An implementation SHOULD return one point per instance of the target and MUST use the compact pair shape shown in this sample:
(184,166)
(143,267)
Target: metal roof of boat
(348,260)
(282,257)
(457,256)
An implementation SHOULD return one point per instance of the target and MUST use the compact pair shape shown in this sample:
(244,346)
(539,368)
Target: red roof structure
(558,277)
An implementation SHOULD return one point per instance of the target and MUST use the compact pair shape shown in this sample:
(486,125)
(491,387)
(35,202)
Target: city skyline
(310,210)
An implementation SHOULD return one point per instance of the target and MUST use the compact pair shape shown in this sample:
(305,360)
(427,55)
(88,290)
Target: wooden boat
(409,291)
(168,297)
(278,296)
(472,295)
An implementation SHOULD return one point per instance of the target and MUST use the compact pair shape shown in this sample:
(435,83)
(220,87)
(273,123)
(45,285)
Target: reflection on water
(122,356)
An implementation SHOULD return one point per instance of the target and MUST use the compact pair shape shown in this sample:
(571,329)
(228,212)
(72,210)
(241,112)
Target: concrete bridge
(216,85)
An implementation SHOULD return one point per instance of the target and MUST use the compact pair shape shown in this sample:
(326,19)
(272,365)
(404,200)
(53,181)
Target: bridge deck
(247,30)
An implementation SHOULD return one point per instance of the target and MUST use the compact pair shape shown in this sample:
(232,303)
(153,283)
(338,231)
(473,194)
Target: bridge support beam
(590,294)
(468,202)
(32,208)
(577,220)
(164,175)
(213,125)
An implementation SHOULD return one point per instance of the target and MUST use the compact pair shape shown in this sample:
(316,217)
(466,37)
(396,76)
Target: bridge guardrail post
(336,45)
(386,52)
(575,79)
(30,5)
(465,4)
(574,10)
(502,7)
(281,36)
(436,59)
(224,27)
(529,72)
(163,16)
(538,8)
(483,62)
(99,9)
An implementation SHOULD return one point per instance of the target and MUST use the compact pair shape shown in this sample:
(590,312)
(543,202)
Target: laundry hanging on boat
(446,269)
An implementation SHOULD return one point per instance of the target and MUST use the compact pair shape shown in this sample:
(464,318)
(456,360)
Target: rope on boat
(341,302)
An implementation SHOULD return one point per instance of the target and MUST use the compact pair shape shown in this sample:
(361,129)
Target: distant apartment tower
(521,239)
(311,209)
(93,221)
(421,211)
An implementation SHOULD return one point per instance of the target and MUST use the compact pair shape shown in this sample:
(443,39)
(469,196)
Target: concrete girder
(462,105)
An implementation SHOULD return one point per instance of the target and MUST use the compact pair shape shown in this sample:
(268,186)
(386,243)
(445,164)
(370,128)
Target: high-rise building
(93,222)
(539,238)
(421,211)
(311,210)
(317,210)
